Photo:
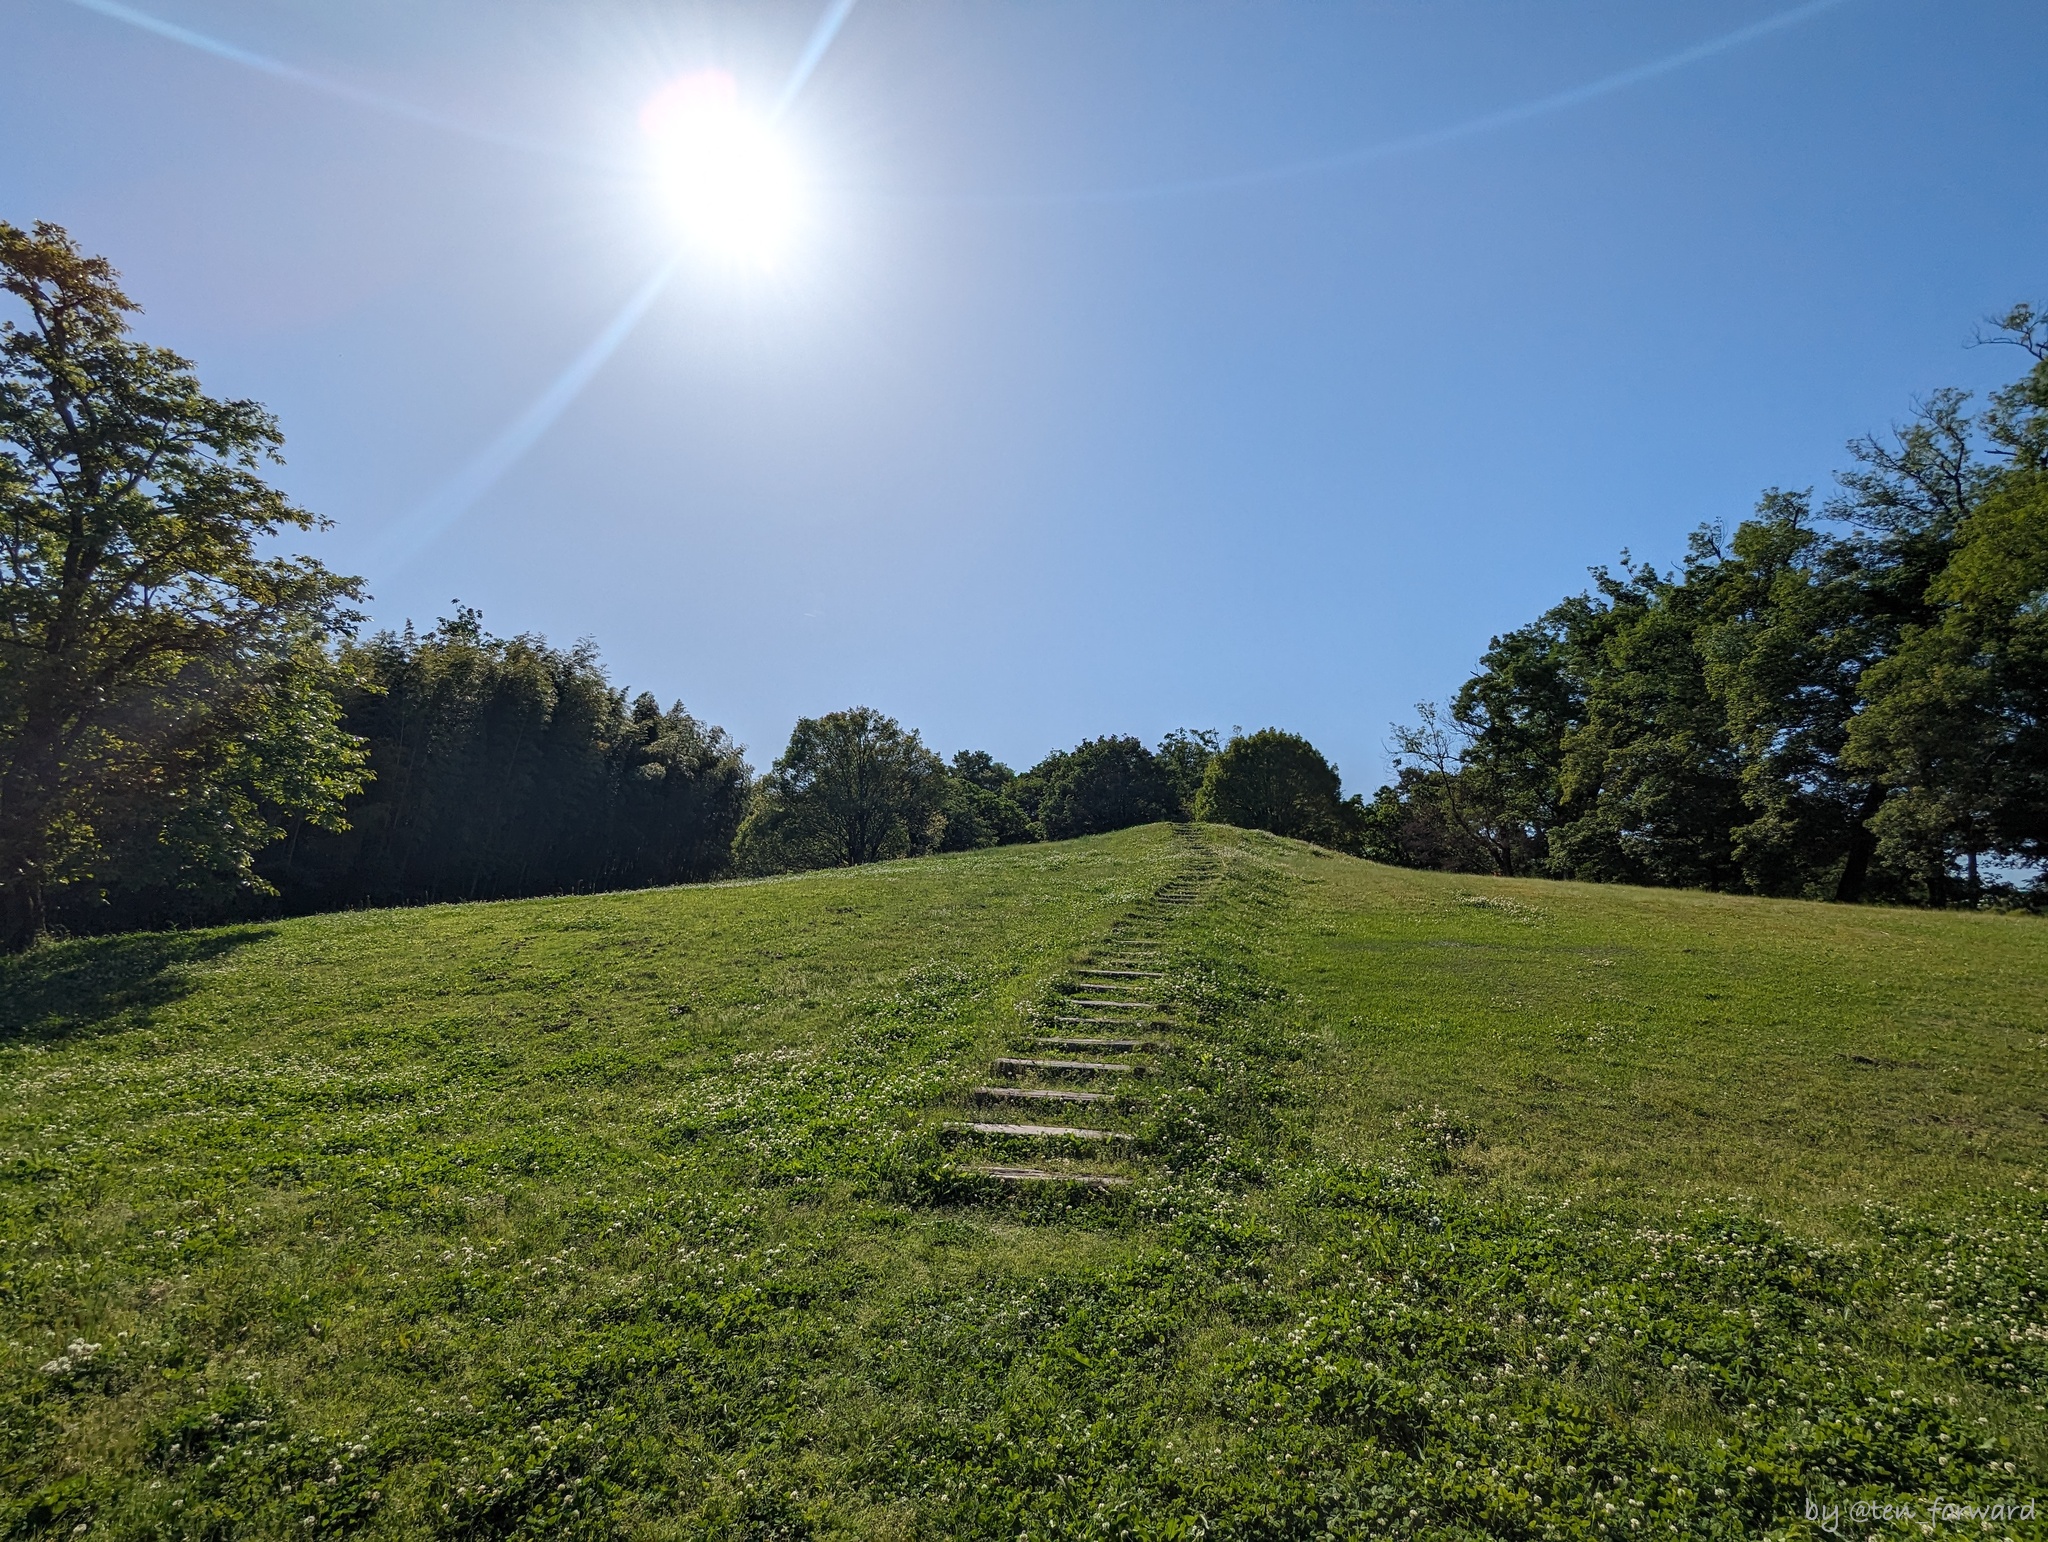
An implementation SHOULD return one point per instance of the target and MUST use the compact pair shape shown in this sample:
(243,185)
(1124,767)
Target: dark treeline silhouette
(1848,702)
(504,766)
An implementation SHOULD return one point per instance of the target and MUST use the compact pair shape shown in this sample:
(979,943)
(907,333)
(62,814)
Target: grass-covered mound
(1465,1208)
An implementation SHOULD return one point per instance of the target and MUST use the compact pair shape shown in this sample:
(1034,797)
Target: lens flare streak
(340,90)
(757,210)
(462,490)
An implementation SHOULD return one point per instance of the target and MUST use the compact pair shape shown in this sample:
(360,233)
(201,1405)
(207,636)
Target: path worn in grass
(1459,1208)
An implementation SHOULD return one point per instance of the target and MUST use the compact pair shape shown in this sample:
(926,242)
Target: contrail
(1361,155)
(340,90)
(461,492)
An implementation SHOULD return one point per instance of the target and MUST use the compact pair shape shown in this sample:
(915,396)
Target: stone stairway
(1005,1133)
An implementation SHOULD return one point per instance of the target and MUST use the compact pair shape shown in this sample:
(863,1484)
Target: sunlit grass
(1472,1208)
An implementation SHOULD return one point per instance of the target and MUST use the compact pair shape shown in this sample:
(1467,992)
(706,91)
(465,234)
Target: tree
(1280,782)
(852,787)
(681,790)
(1185,755)
(506,766)
(978,807)
(1099,785)
(980,769)
(1843,705)
(1957,716)
(167,697)
(1446,809)
(1409,823)
(1481,786)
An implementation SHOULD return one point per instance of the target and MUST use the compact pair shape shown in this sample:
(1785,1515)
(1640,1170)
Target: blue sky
(1033,433)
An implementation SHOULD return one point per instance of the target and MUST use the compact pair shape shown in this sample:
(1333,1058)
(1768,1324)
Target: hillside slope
(1449,1207)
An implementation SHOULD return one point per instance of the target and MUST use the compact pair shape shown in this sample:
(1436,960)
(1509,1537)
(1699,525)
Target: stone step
(1072,1067)
(1116,1044)
(1036,1131)
(1039,1095)
(1040,1175)
(1124,974)
(1129,1006)
(1119,1022)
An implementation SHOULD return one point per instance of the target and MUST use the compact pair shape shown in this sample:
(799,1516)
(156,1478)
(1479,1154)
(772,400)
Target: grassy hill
(1449,1207)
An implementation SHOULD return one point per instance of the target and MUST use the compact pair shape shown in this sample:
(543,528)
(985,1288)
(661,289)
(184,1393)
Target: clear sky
(1096,390)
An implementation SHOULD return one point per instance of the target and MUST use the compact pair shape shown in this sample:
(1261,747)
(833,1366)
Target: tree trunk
(1862,846)
(21,914)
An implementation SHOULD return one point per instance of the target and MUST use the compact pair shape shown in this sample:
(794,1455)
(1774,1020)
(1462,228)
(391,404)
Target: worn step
(1040,1175)
(1129,1006)
(1036,1131)
(1119,1022)
(1124,974)
(1072,1067)
(1040,1095)
(1125,1045)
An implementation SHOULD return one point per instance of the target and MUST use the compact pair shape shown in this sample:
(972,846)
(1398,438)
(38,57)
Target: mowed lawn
(1659,1042)
(1471,1208)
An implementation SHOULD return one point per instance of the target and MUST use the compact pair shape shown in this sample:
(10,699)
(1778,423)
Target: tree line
(192,728)
(1842,701)
(498,767)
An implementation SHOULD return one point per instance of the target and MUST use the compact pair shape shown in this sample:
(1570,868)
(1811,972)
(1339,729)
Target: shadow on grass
(69,990)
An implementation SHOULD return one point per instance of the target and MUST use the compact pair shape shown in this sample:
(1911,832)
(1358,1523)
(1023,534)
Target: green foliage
(1958,715)
(1846,708)
(978,807)
(586,1217)
(167,698)
(1100,785)
(852,787)
(980,769)
(505,766)
(1185,755)
(1279,782)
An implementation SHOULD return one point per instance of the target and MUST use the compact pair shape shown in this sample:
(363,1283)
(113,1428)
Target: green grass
(1469,1208)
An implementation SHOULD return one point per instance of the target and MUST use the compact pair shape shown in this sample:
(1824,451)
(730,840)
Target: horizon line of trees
(503,767)
(1847,701)
(193,730)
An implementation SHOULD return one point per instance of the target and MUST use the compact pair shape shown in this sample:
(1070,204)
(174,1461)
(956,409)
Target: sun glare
(729,181)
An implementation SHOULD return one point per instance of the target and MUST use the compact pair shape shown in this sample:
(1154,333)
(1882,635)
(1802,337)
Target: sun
(728,179)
